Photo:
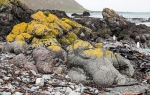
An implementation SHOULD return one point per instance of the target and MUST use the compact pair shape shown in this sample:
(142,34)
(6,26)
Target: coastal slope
(65,5)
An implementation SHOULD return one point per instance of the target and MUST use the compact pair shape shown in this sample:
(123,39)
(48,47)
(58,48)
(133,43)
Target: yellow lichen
(79,44)
(44,42)
(98,45)
(19,28)
(19,37)
(63,40)
(51,18)
(64,26)
(72,37)
(11,37)
(39,16)
(26,35)
(76,30)
(40,30)
(71,22)
(55,32)
(94,52)
(109,54)
(54,48)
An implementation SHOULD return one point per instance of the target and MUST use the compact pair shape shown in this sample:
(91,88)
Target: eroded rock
(98,62)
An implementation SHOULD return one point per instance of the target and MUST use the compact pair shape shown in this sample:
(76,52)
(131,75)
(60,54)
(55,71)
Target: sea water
(136,17)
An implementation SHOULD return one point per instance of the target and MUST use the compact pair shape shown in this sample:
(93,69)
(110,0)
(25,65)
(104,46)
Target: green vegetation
(64,5)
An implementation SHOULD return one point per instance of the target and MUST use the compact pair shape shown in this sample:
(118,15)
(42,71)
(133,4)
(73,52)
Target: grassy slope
(65,5)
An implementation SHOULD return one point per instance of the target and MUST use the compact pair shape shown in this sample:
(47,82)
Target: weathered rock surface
(98,62)
(116,22)
(49,35)
(22,62)
(47,59)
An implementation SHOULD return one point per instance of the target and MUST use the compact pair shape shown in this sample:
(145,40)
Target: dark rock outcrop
(12,14)
(115,22)
(58,13)
(84,14)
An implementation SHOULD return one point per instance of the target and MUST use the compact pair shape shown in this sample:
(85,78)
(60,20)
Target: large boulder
(12,13)
(105,67)
(46,59)
(116,22)
(22,62)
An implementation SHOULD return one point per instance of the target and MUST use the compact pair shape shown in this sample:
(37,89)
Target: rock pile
(48,53)
(114,24)
(58,35)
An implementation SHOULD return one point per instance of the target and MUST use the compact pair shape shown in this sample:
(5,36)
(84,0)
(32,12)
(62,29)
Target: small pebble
(40,81)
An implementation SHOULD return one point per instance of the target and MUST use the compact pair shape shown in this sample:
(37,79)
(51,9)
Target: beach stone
(46,77)
(6,93)
(77,75)
(16,47)
(30,66)
(45,59)
(18,93)
(34,88)
(98,62)
(40,81)
(20,60)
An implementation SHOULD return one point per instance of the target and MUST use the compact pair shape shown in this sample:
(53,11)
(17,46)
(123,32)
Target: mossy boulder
(99,63)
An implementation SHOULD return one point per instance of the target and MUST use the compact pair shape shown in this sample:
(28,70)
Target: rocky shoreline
(48,53)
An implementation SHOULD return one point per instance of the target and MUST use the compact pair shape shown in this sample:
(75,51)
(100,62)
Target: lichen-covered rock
(11,13)
(98,62)
(47,30)
(46,59)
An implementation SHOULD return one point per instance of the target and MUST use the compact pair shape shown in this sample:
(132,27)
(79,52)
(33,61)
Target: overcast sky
(117,5)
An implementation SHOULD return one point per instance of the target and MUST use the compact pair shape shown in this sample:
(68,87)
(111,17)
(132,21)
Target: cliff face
(65,5)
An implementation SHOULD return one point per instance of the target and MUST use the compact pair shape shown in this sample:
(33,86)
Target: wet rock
(86,13)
